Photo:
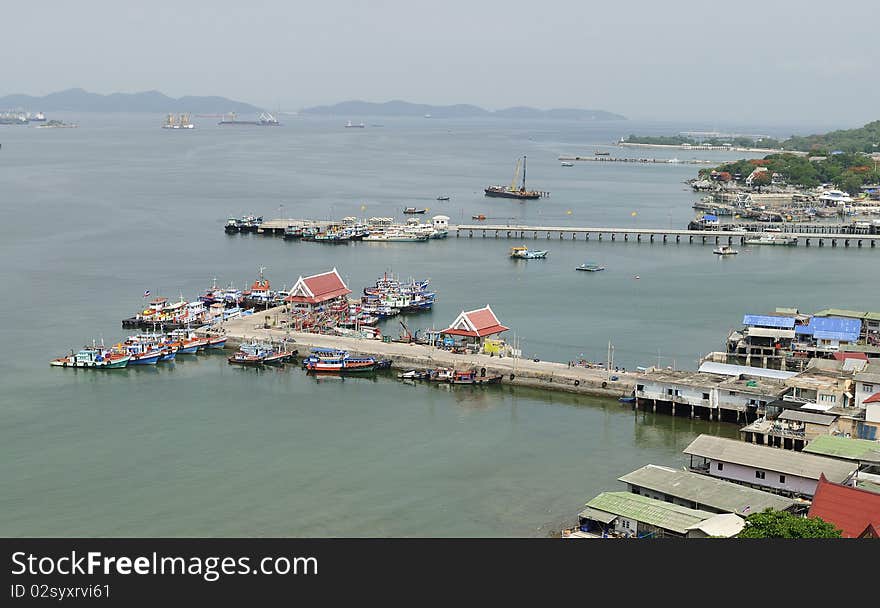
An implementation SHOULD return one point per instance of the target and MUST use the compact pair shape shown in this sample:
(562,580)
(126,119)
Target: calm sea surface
(96,215)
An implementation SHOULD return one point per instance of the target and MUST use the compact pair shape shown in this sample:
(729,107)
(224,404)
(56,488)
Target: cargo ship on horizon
(265,120)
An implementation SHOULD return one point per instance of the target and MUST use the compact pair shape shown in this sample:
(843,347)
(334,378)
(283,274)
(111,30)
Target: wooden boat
(442,197)
(590,267)
(412,210)
(478,217)
(93,357)
(340,362)
(216,342)
(525,253)
(257,353)
(725,250)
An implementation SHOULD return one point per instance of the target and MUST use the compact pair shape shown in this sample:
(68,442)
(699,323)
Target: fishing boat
(337,361)
(525,253)
(590,267)
(414,374)
(478,217)
(442,197)
(93,357)
(724,250)
(351,125)
(512,191)
(474,377)
(140,353)
(566,164)
(411,210)
(600,153)
(216,342)
(773,239)
(260,353)
(293,232)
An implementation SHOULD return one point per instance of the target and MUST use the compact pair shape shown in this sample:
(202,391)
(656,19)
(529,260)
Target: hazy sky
(742,62)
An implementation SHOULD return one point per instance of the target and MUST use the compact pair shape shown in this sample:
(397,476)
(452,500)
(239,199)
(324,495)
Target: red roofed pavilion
(475,325)
(318,289)
(853,510)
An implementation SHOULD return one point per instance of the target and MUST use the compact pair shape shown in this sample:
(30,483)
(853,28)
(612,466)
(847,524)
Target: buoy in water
(636,277)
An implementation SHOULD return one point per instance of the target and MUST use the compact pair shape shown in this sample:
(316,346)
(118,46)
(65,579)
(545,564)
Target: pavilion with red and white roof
(474,326)
(318,290)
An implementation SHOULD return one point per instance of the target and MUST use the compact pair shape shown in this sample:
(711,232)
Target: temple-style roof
(318,288)
(476,324)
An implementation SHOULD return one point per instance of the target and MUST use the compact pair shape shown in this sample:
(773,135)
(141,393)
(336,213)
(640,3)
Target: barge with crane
(512,191)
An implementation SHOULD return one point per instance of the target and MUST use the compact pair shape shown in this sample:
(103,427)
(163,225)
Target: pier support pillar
(612,236)
(484,234)
(471,234)
(636,404)
(807,242)
(625,236)
(711,413)
(716,239)
(639,238)
(834,242)
(821,242)
(587,236)
(654,408)
(873,243)
(535,235)
(692,411)
(600,236)
(704,240)
(673,408)
(677,238)
(573,235)
(730,240)
(846,242)
(860,242)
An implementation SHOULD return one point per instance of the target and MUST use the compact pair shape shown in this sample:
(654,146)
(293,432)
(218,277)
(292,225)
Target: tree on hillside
(782,524)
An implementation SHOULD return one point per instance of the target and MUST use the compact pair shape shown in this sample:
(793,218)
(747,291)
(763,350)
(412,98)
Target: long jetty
(806,234)
(626,159)
(651,235)
(517,371)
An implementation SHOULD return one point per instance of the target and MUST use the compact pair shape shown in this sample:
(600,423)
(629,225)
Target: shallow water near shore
(97,215)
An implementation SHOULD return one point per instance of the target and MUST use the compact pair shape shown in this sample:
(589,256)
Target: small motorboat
(566,164)
(478,217)
(412,210)
(442,197)
(725,250)
(590,267)
(524,253)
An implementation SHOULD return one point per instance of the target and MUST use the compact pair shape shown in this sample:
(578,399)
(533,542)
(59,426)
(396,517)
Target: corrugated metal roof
(766,332)
(770,459)
(837,312)
(846,448)
(836,328)
(724,525)
(648,510)
(811,417)
(768,321)
(727,369)
(705,490)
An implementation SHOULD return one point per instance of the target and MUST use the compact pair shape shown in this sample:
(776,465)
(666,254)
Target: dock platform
(548,375)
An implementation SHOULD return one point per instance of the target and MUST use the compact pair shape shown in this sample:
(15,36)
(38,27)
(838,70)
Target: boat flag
(146,293)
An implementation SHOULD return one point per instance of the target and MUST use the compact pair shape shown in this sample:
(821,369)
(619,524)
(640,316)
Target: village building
(725,396)
(792,429)
(318,292)
(472,329)
(628,515)
(702,492)
(855,511)
(826,383)
(860,451)
(784,472)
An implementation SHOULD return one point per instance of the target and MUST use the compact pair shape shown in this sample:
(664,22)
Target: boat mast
(524,174)
(515,176)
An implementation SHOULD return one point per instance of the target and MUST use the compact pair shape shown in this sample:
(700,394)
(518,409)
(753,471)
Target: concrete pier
(547,375)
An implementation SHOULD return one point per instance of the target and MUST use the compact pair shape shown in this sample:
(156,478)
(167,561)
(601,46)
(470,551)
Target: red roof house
(318,289)
(479,324)
(875,398)
(853,510)
(847,355)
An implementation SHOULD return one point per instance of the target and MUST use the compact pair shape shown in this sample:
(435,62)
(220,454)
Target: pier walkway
(651,235)
(547,375)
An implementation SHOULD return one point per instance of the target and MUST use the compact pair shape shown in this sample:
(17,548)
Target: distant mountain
(404,108)
(79,100)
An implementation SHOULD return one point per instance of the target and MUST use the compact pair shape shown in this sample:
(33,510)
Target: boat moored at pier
(93,357)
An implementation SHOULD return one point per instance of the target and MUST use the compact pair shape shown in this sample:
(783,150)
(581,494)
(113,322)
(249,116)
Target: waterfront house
(854,510)
(859,451)
(784,472)
(628,515)
(726,396)
(702,492)
(867,385)
(791,429)
(318,291)
(826,383)
(471,329)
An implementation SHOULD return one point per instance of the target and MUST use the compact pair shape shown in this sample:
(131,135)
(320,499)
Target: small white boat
(725,250)
(773,239)
(525,253)
(590,267)
(566,164)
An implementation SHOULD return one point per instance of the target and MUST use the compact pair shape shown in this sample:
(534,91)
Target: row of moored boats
(141,349)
